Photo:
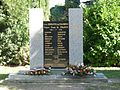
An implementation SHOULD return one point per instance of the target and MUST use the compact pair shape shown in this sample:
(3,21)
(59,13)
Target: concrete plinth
(55,78)
(36,37)
(75,36)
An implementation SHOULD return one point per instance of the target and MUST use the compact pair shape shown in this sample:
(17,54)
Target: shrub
(14,36)
(102,33)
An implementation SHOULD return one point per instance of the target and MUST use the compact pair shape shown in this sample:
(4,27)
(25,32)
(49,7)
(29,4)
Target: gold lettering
(63,23)
(63,26)
(46,27)
(62,51)
(48,36)
(47,32)
(48,43)
(53,27)
(61,34)
(61,38)
(59,43)
(48,54)
(60,47)
(48,47)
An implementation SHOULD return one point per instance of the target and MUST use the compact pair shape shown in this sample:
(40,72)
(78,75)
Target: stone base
(55,78)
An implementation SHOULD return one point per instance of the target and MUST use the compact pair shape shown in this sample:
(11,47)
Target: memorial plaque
(56,44)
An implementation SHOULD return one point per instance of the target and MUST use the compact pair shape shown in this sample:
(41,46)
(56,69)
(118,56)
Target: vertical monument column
(75,36)
(36,37)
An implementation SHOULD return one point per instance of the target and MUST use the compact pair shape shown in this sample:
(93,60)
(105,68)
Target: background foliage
(101,30)
(60,13)
(40,3)
(102,33)
(14,35)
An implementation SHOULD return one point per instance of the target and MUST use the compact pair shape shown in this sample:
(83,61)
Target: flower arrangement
(41,71)
(79,70)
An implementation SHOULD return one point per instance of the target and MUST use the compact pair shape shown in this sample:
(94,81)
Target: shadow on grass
(3,76)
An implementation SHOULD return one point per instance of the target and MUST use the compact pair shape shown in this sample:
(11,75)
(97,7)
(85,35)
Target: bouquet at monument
(39,71)
(79,70)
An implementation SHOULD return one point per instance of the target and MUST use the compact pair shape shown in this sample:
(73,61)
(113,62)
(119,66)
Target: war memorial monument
(56,45)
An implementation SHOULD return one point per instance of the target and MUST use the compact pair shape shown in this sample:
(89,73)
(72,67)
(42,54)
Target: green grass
(3,76)
(110,73)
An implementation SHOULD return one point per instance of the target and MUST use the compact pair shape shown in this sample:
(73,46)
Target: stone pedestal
(36,37)
(75,36)
(37,42)
(55,78)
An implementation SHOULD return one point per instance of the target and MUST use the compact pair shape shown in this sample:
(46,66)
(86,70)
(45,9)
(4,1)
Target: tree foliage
(41,3)
(3,16)
(14,36)
(57,13)
(72,3)
(102,33)
(101,30)
(60,13)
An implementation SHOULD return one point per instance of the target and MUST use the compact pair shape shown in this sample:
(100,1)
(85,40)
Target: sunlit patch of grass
(7,70)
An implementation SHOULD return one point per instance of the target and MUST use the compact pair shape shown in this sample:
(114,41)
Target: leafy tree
(57,13)
(41,3)
(16,35)
(72,3)
(102,33)
(60,13)
(3,16)
(101,30)
(14,41)
(45,6)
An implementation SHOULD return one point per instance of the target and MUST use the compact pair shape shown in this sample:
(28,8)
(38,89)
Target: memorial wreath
(79,70)
(41,71)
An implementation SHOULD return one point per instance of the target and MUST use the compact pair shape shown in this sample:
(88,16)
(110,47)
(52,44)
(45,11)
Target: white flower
(82,64)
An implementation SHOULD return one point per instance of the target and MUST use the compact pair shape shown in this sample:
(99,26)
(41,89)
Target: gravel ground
(113,84)
(61,86)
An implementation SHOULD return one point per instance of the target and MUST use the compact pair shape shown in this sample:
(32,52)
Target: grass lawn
(110,73)
(3,76)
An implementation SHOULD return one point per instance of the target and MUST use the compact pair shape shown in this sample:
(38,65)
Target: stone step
(57,78)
